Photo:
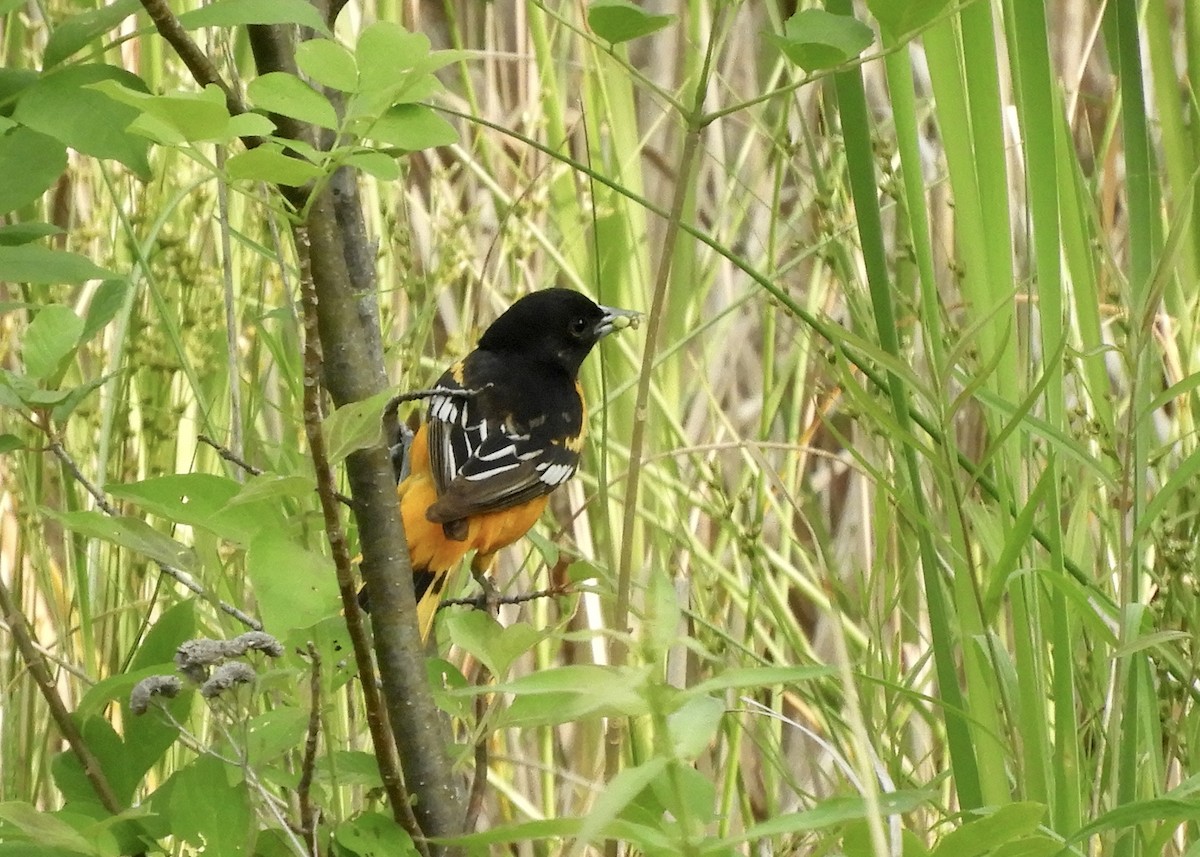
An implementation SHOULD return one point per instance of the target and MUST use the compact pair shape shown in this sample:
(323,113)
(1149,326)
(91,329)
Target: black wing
(485,458)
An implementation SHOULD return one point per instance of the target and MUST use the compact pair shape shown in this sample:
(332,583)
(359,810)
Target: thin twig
(480,776)
(308,827)
(62,455)
(484,602)
(233,458)
(57,660)
(229,455)
(177,574)
(231,325)
(389,410)
(22,635)
(381,736)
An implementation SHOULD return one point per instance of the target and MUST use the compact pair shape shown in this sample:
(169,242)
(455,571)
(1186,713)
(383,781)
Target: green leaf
(14,81)
(355,426)
(450,688)
(305,151)
(36,397)
(250,125)
(44,829)
(547,549)
(903,17)
(478,633)
(156,130)
(981,835)
(694,724)
(1140,812)
(147,739)
(77,32)
(1147,641)
(208,811)
(573,692)
(36,265)
(592,679)
(31,162)
(353,768)
(268,163)
(10,443)
(385,53)
(273,733)
(76,395)
(750,677)
(363,109)
(271,487)
(196,499)
(621,790)
(123,833)
(377,164)
(172,628)
(25,233)
(413,127)
(1182,475)
(131,533)
(829,813)
(116,688)
(239,13)
(17,391)
(689,793)
(63,106)
(328,63)
(187,116)
(331,639)
(618,21)
(815,39)
(286,94)
(526,831)
(661,615)
(106,302)
(374,835)
(1037,845)
(110,752)
(295,587)
(50,340)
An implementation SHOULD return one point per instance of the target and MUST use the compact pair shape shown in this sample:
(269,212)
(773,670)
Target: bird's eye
(579,326)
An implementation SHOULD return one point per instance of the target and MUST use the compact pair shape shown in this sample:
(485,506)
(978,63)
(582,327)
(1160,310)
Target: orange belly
(428,546)
(432,553)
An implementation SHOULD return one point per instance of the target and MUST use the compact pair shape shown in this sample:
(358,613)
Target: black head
(556,326)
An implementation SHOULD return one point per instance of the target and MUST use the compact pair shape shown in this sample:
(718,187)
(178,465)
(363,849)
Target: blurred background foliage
(908,545)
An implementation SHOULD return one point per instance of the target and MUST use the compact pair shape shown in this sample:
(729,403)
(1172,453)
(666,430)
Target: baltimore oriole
(504,428)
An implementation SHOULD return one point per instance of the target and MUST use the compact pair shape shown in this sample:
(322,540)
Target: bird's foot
(489,598)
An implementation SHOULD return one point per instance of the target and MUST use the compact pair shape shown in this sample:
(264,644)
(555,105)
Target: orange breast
(486,533)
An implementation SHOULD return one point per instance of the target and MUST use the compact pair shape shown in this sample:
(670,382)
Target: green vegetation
(882,543)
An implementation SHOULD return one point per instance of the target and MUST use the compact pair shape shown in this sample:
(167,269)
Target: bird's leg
(489,598)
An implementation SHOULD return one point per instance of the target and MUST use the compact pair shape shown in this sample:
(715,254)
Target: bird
(504,427)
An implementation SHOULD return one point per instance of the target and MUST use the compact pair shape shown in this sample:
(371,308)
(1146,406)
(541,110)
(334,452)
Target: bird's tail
(427,589)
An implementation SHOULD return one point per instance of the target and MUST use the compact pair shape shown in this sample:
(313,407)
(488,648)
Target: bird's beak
(615,319)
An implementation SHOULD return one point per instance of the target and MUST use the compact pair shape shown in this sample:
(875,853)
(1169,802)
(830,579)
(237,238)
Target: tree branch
(341,323)
(313,362)
(353,372)
(308,823)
